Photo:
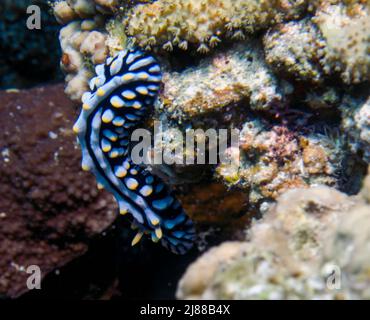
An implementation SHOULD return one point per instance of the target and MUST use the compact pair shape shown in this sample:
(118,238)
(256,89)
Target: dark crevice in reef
(112,269)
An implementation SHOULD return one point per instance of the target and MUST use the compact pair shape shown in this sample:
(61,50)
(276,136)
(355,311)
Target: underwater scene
(185,150)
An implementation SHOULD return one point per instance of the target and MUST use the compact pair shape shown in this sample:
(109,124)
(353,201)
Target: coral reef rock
(202,25)
(336,41)
(347,35)
(68,10)
(273,160)
(303,41)
(238,75)
(82,48)
(356,124)
(48,206)
(294,49)
(312,244)
(88,37)
(279,74)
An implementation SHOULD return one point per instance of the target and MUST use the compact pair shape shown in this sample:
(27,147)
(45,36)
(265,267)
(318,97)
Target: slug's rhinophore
(122,94)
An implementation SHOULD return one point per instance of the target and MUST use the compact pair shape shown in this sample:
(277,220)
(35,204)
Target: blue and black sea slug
(122,96)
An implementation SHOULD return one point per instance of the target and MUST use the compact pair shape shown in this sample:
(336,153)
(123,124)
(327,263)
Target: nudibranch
(121,97)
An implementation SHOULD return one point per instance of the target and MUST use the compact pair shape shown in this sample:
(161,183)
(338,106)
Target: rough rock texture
(238,75)
(82,47)
(87,38)
(313,244)
(356,123)
(198,276)
(347,35)
(335,43)
(27,57)
(294,49)
(49,208)
(275,159)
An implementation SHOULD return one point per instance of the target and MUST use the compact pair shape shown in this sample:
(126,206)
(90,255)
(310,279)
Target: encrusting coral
(295,48)
(203,24)
(347,36)
(313,244)
(49,208)
(88,37)
(82,47)
(330,42)
(68,10)
(275,159)
(356,124)
(233,76)
(336,41)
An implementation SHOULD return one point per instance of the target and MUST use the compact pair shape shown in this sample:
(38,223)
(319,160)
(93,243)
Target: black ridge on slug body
(122,95)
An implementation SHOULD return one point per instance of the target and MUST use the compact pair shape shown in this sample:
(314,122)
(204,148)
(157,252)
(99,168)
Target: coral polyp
(346,33)
(202,25)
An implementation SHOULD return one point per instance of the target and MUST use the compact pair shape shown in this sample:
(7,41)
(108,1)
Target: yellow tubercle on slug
(86,167)
(128,77)
(154,221)
(107,148)
(146,191)
(137,239)
(114,155)
(76,129)
(159,233)
(116,104)
(132,184)
(123,211)
(100,92)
